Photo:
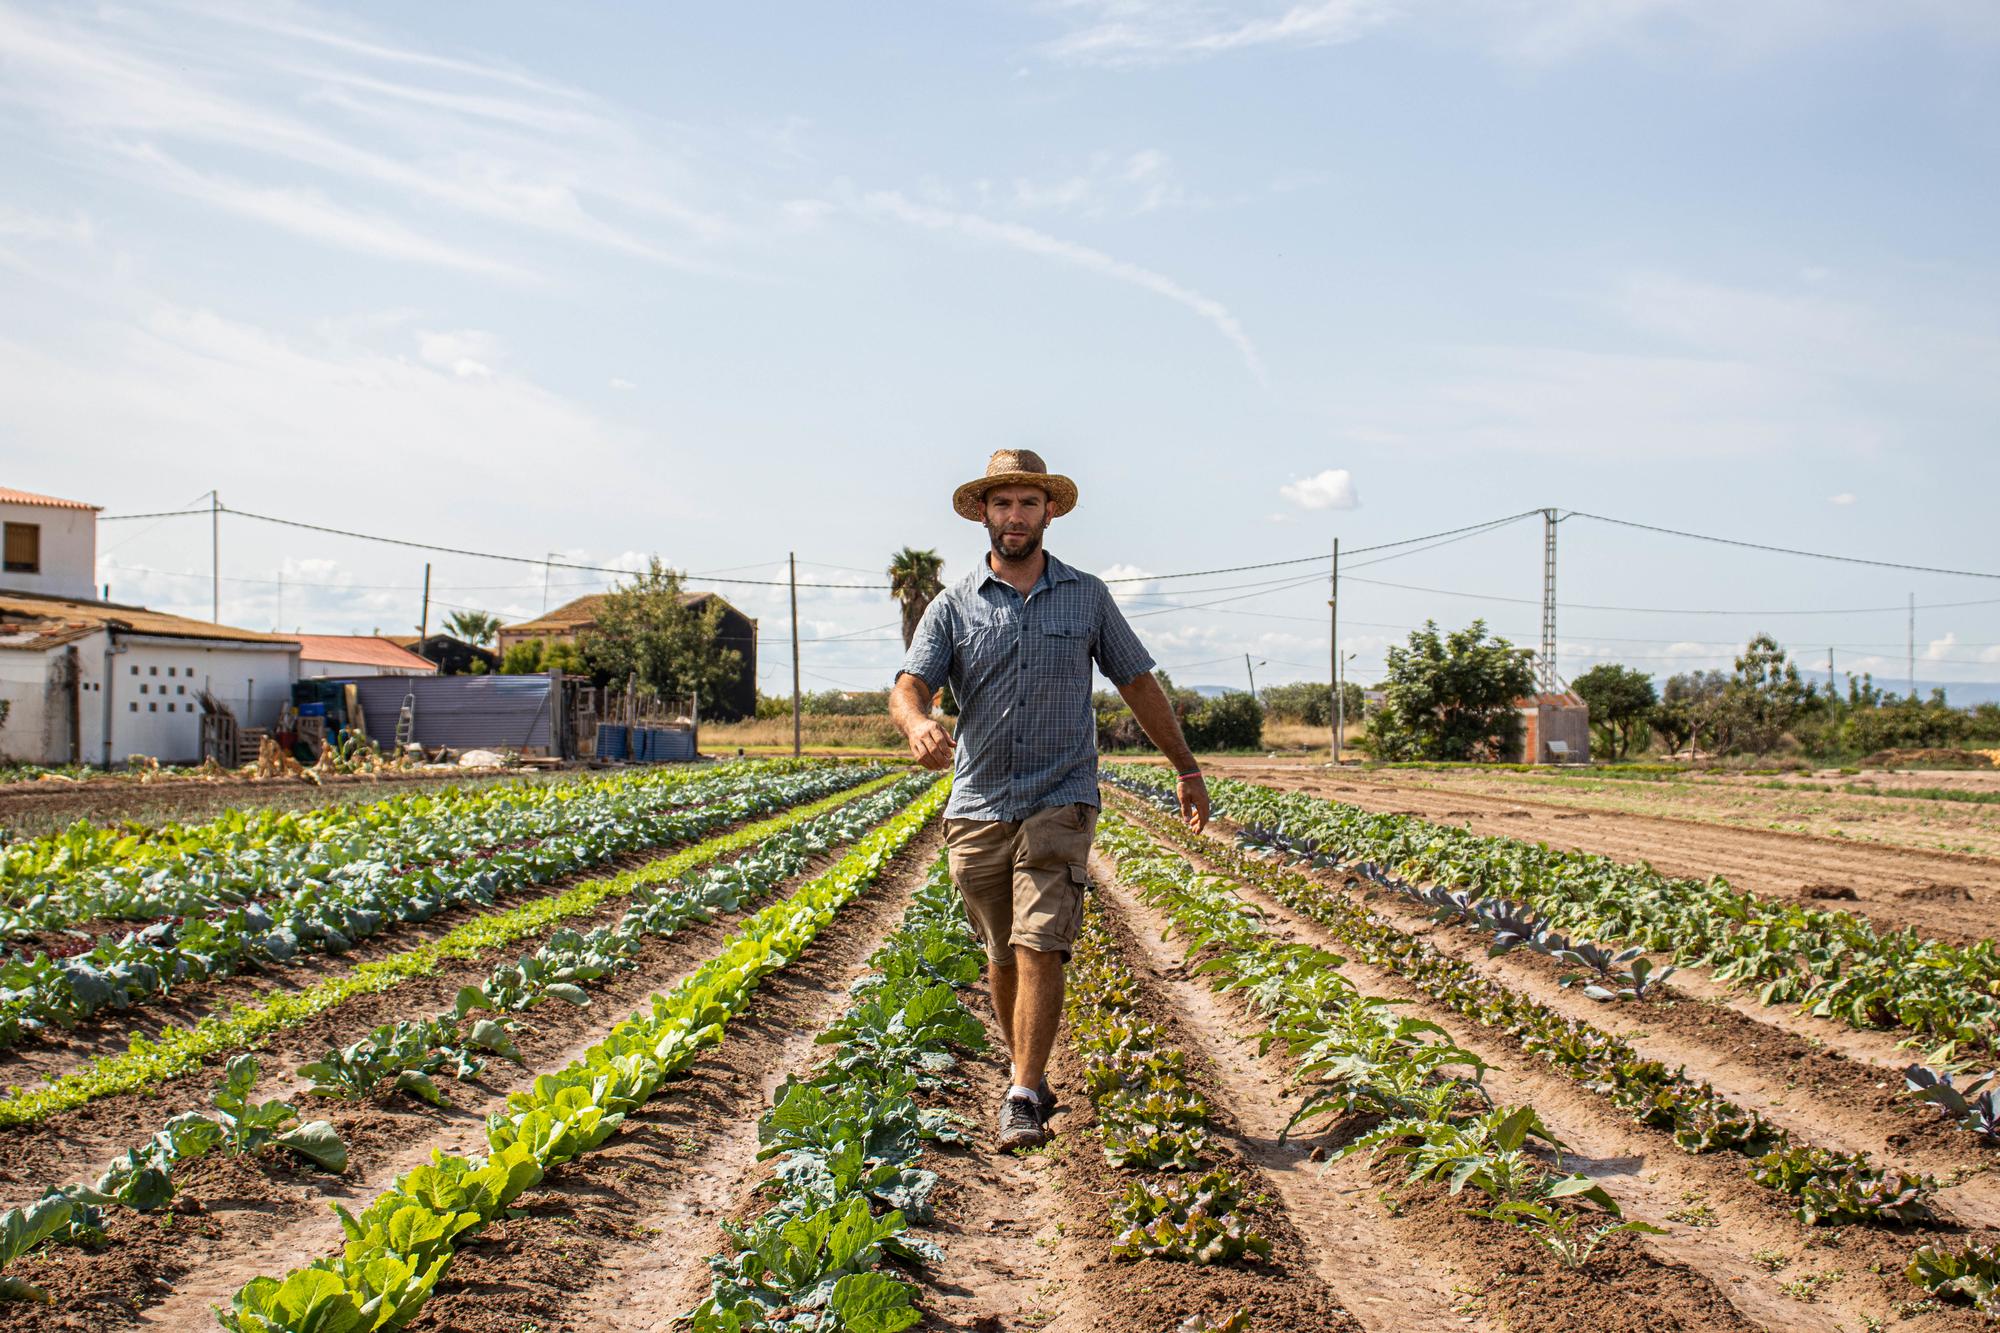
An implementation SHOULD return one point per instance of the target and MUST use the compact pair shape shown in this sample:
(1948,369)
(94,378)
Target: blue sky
(720,283)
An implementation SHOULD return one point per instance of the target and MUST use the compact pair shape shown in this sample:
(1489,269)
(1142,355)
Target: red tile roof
(360,650)
(9,495)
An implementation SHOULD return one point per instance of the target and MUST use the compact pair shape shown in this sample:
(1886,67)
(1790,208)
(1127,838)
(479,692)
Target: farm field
(619,1049)
(1930,864)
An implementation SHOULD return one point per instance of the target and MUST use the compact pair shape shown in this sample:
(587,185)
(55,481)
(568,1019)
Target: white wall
(155,689)
(69,551)
(37,730)
(311,667)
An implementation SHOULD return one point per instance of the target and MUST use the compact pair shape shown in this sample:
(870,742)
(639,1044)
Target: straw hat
(1014,467)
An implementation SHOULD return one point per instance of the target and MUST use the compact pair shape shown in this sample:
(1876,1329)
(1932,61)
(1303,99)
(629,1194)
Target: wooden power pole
(792,561)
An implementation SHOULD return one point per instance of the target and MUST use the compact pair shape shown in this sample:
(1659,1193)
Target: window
(142,687)
(24,548)
(135,668)
(170,708)
(152,708)
(170,671)
(135,705)
(180,689)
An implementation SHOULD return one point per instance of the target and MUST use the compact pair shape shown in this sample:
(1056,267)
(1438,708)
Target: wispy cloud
(348,153)
(1146,32)
(893,204)
(1844,498)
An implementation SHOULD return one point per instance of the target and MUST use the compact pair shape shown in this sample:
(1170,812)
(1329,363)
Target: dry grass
(816,733)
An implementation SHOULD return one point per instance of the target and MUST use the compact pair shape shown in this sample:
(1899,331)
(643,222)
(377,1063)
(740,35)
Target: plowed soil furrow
(1818,1092)
(385,1135)
(618,1240)
(1736,1237)
(1945,895)
(1287,1293)
(1385,1281)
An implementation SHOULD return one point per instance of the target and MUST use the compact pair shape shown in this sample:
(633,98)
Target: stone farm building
(569,621)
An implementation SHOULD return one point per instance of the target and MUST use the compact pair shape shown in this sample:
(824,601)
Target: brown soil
(1768,862)
(1725,1229)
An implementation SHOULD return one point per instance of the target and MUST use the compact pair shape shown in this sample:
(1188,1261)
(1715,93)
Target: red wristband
(1183,777)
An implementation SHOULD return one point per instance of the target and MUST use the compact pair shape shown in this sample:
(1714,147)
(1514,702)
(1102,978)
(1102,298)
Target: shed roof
(361,650)
(8,495)
(56,620)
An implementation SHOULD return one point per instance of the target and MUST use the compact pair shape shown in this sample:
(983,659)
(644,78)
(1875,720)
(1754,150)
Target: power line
(1782,550)
(1473,529)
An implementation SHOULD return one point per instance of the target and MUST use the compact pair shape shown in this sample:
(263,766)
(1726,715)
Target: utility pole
(1548,672)
(1913,646)
(1333,644)
(792,562)
(215,556)
(424,621)
(1252,671)
(1829,673)
(278,627)
(545,580)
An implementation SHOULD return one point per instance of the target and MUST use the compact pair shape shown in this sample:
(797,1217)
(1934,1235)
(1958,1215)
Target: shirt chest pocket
(1059,653)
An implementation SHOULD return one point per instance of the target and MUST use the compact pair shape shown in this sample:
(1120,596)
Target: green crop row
(1829,1186)
(1151,1119)
(1832,964)
(848,1139)
(1356,1055)
(401,1245)
(177,1050)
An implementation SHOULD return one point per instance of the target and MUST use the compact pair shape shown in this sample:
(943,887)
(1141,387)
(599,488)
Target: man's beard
(1032,544)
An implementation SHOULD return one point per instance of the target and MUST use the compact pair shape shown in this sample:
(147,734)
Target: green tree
(1451,696)
(523,658)
(915,580)
(1621,701)
(1690,711)
(475,627)
(1764,699)
(646,628)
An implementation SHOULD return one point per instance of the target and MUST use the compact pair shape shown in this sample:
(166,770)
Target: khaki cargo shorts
(1023,880)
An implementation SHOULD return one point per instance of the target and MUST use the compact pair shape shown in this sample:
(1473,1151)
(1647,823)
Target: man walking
(1015,639)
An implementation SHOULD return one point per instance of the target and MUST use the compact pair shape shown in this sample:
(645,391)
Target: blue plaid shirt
(1020,668)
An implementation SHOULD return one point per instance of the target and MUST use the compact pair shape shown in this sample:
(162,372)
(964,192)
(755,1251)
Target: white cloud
(1939,649)
(1331,489)
(894,204)
(467,353)
(1844,498)
(1125,592)
(620,382)
(1108,185)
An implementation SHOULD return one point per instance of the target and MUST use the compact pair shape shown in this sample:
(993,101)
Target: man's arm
(1155,715)
(910,709)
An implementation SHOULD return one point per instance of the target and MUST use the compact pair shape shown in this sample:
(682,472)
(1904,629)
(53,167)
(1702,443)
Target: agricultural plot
(711,1050)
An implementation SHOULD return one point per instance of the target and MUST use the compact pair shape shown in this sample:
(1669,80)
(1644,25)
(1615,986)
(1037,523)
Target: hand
(931,745)
(1193,793)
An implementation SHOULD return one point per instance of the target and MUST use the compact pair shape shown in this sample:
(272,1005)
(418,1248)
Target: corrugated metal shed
(463,712)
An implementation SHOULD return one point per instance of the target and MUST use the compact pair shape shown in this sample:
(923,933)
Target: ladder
(406,723)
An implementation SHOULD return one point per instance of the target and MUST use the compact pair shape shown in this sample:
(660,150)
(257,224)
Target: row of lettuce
(1828,1187)
(848,1141)
(330,908)
(174,1050)
(401,1245)
(404,1056)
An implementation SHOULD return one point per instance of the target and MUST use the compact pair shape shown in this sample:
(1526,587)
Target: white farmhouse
(87,681)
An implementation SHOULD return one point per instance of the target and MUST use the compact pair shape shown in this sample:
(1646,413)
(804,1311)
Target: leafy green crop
(1971,1274)
(400,1246)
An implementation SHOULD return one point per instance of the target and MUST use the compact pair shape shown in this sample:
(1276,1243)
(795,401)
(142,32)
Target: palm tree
(475,627)
(914,581)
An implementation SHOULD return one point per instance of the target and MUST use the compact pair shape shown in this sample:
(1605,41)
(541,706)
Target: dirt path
(1944,895)
(1732,1236)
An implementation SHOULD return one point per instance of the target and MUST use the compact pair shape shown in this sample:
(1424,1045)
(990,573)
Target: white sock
(1016,1090)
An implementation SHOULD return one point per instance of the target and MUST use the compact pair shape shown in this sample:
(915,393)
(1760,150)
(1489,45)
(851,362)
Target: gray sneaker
(1021,1125)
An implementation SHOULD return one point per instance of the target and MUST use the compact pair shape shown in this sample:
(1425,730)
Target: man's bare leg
(1001,979)
(1037,1008)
